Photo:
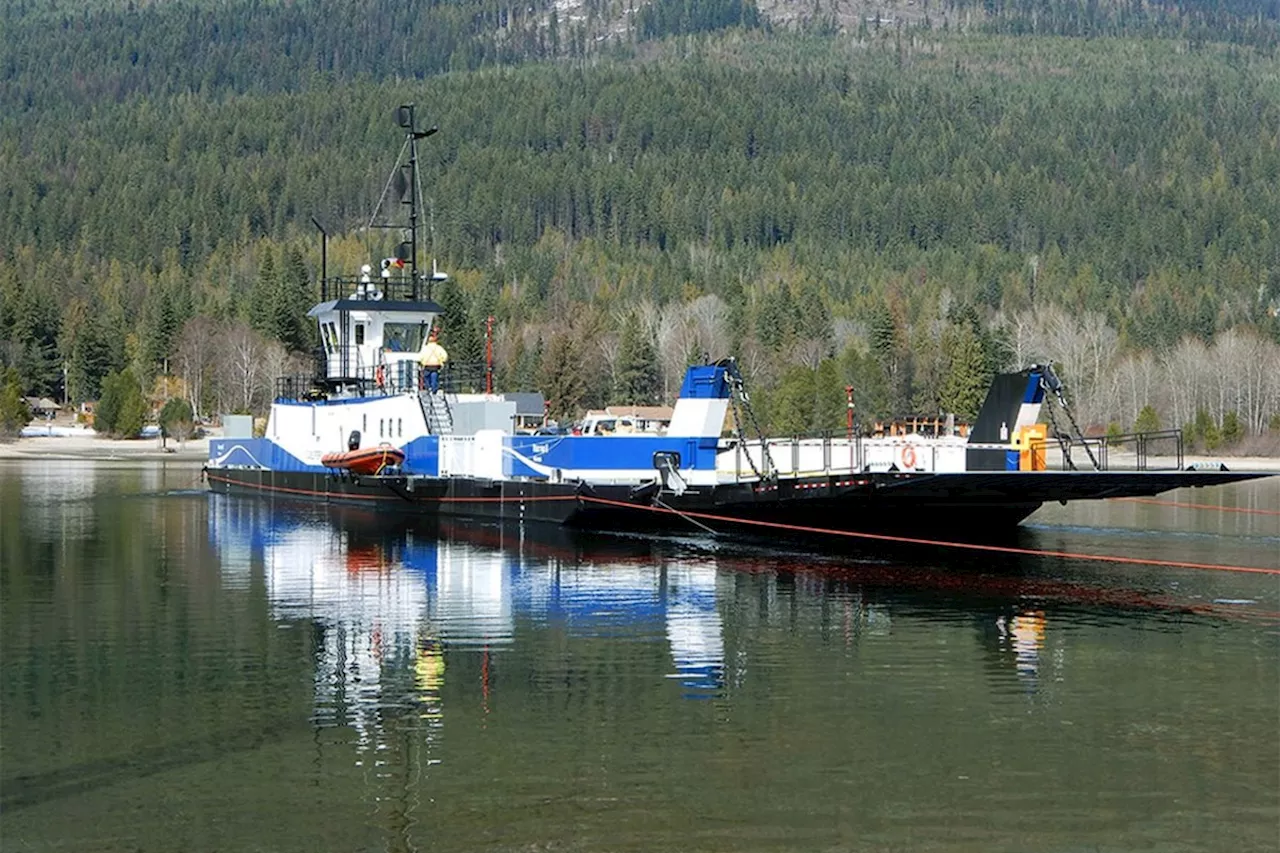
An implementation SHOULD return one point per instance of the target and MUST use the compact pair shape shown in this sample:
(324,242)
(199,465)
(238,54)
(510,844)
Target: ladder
(436,411)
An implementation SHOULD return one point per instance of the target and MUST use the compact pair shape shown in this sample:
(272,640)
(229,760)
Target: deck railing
(399,288)
(822,453)
(1158,450)
(396,378)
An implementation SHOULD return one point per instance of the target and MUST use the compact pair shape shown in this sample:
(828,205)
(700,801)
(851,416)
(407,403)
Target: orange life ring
(909,457)
(380,376)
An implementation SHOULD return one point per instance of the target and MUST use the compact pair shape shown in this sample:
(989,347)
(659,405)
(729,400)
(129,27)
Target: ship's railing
(463,377)
(794,456)
(299,388)
(386,379)
(399,288)
(1157,450)
(825,453)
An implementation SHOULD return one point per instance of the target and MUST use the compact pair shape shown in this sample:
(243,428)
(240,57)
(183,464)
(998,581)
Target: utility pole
(848,392)
(488,355)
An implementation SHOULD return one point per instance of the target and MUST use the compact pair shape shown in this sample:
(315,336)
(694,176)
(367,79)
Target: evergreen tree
(91,357)
(1232,429)
(639,379)
(14,412)
(122,410)
(829,404)
(966,381)
(561,375)
(1148,420)
(160,326)
(133,409)
(888,347)
(294,298)
(176,418)
(107,412)
(870,388)
(524,373)
(1205,430)
(790,405)
(459,333)
(34,336)
(265,309)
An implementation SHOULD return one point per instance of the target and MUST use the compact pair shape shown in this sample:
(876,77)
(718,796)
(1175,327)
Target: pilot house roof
(425,306)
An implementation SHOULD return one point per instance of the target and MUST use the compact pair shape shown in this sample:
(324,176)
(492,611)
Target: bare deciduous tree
(195,357)
(1184,368)
(709,316)
(240,366)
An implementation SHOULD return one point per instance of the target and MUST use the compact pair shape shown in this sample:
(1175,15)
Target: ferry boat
(407,447)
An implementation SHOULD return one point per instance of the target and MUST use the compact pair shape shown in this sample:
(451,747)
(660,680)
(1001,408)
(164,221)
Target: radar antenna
(404,178)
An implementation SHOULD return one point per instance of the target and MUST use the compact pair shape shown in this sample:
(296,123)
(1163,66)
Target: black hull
(927,506)
(453,497)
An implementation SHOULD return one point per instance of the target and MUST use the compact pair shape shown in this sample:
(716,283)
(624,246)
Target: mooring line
(970,546)
(1159,502)
(692,521)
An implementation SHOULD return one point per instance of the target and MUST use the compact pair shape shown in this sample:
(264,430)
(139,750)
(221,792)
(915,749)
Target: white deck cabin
(371,338)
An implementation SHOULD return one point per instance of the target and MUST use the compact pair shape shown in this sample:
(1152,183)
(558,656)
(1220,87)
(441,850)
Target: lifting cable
(1159,502)
(971,546)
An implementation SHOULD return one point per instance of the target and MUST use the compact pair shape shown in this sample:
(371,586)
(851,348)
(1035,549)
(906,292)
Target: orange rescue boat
(370,460)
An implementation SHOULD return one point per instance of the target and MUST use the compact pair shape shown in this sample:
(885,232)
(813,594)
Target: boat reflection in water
(455,664)
(387,598)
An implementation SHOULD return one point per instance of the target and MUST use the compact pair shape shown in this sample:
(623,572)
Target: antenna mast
(406,119)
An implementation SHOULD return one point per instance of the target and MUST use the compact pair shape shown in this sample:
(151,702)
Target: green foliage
(1114,430)
(870,387)
(14,412)
(1206,431)
(562,379)
(160,325)
(176,418)
(107,412)
(1212,437)
(673,17)
(790,404)
(163,162)
(1232,429)
(122,410)
(807,401)
(264,306)
(638,381)
(296,296)
(829,406)
(461,333)
(1148,420)
(968,375)
(94,347)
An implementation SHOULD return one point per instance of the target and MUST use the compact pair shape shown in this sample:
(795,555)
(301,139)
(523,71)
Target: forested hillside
(900,208)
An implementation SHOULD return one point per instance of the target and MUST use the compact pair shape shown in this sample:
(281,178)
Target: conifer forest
(902,197)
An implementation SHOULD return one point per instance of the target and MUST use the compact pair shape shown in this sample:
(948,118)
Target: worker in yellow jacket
(432,357)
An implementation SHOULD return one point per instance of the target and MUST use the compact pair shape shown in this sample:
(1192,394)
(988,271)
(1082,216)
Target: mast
(406,119)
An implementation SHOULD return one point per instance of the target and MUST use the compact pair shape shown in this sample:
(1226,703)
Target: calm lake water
(197,673)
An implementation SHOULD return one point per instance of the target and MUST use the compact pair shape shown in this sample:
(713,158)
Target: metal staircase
(436,411)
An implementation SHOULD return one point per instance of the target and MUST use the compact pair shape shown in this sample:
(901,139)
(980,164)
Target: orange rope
(1200,506)
(972,546)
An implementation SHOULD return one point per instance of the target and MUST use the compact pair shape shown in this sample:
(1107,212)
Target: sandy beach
(104,449)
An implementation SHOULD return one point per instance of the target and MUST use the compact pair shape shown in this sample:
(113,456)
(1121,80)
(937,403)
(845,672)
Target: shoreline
(98,449)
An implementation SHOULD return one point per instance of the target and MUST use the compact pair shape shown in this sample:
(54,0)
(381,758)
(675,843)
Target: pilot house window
(403,337)
(359,333)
